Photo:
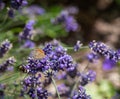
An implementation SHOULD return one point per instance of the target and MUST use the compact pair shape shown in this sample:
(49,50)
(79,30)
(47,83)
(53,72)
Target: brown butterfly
(38,53)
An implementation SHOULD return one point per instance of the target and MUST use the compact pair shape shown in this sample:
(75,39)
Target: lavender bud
(77,46)
(10,61)
(27,34)
(81,94)
(5,47)
(71,24)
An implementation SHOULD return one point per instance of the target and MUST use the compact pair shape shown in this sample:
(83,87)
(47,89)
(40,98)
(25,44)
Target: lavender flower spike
(16,4)
(81,94)
(5,47)
(8,62)
(71,24)
(27,34)
(104,50)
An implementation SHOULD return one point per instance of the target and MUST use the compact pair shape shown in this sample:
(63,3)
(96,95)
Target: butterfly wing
(38,53)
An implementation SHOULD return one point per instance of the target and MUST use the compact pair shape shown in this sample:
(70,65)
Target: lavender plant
(55,60)
(52,64)
(27,34)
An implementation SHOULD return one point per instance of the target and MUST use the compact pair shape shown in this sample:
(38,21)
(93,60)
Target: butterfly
(38,53)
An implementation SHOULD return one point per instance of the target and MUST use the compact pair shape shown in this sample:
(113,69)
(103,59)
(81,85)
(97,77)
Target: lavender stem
(53,81)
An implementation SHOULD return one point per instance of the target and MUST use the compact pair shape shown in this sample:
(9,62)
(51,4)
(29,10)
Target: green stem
(71,48)
(53,81)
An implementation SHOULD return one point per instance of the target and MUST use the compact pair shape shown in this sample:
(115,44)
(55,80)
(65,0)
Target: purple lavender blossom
(56,59)
(31,93)
(77,46)
(81,94)
(63,90)
(32,66)
(31,81)
(34,10)
(48,49)
(87,77)
(5,47)
(66,62)
(92,57)
(71,24)
(42,93)
(31,86)
(108,64)
(10,61)
(28,44)
(27,34)
(60,18)
(16,4)
(102,49)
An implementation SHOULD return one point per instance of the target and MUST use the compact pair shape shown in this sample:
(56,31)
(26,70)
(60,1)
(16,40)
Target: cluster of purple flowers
(5,47)
(32,87)
(87,77)
(32,84)
(27,34)
(67,20)
(81,94)
(56,59)
(102,49)
(16,4)
(10,61)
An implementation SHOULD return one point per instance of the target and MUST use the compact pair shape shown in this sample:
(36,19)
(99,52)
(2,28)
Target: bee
(38,53)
